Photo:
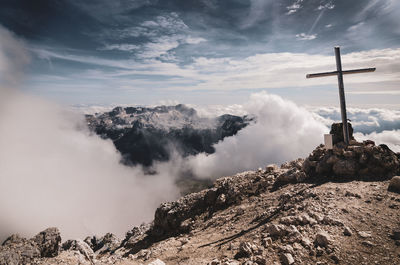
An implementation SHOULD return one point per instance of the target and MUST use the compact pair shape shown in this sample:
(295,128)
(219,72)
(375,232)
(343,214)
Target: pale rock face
(157,262)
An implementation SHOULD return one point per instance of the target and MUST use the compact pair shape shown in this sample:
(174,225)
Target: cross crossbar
(334,73)
(339,73)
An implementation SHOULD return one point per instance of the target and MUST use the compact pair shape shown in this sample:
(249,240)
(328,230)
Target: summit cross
(339,73)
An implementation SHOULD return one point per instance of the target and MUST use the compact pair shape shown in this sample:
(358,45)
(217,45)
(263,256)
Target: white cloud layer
(260,71)
(282,132)
(390,138)
(54,172)
(363,120)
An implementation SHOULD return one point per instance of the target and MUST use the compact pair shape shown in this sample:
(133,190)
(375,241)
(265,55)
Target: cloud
(261,71)
(160,36)
(13,59)
(54,172)
(294,7)
(282,132)
(364,120)
(120,47)
(390,138)
(304,36)
(326,6)
(257,12)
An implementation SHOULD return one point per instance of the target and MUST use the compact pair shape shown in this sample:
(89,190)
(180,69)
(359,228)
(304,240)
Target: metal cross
(339,72)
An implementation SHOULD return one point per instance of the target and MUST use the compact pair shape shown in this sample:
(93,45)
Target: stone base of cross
(339,73)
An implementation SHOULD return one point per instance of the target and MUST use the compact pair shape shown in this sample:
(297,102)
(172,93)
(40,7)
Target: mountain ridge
(323,209)
(144,135)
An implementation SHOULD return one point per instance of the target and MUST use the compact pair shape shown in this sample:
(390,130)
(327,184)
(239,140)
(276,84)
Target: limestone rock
(48,242)
(275,230)
(287,259)
(362,161)
(108,243)
(157,262)
(347,231)
(322,239)
(246,249)
(80,246)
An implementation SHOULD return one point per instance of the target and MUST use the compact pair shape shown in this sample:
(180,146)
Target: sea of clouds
(55,172)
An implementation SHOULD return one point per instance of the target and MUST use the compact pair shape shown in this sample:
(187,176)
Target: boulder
(275,230)
(287,259)
(108,243)
(394,184)
(17,250)
(322,239)
(80,246)
(48,242)
(337,132)
(246,249)
(347,231)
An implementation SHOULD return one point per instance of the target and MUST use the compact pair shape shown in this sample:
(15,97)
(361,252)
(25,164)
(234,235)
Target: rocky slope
(339,206)
(144,135)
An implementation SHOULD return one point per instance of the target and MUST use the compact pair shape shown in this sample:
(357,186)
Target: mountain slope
(144,135)
(292,214)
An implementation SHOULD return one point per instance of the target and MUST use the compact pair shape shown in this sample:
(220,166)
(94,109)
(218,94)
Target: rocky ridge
(144,135)
(339,206)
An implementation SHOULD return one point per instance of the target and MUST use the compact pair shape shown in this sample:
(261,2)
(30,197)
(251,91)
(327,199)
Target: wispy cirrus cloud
(293,8)
(269,70)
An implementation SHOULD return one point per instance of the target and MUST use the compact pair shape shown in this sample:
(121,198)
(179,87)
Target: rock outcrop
(18,250)
(364,161)
(337,132)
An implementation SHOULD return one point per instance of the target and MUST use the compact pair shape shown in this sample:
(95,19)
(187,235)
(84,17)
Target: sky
(144,52)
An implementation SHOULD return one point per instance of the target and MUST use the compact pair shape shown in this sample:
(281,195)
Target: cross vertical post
(341,95)
(339,73)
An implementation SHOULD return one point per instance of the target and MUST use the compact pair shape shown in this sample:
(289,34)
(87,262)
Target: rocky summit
(338,206)
(145,135)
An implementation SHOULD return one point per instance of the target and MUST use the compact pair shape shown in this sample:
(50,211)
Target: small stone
(267,241)
(396,234)
(394,184)
(320,251)
(347,231)
(275,230)
(287,259)
(184,241)
(306,242)
(259,260)
(246,249)
(322,239)
(157,262)
(214,262)
(221,199)
(368,243)
(335,259)
(271,168)
(364,234)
